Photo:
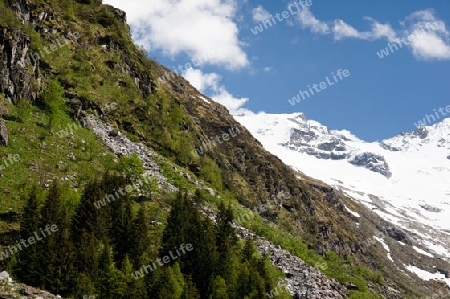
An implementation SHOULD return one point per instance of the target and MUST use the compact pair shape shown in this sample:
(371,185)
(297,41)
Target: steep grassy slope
(104,73)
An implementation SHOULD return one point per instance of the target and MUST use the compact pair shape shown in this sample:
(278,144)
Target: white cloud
(194,27)
(260,14)
(432,38)
(430,46)
(209,83)
(429,42)
(342,30)
(307,20)
(200,80)
(381,30)
(267,69)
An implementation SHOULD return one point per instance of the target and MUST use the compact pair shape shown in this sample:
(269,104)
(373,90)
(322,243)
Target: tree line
(96,252)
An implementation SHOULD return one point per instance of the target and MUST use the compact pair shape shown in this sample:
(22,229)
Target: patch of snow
(422,251)
(351,212)
(425,275)
(204,99)
(386,247)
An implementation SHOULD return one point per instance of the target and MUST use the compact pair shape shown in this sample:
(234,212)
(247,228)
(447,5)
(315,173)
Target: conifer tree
(108,280)
(28,265)
(121,230)
(139,238)
(226,241)
(219,289)
(56,248)
(189,290)
(171,282)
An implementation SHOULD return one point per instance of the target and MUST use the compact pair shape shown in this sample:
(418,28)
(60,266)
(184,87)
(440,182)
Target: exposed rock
(421,132)
(121,145)
(336,145)
(351,286)
(10,289)
(4,137)
(4,275)
(113,133)
(390,147)
(373,162)
(302,280)
(15,80)
(430,208)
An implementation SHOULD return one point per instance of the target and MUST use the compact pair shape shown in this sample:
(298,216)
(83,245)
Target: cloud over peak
(187,26)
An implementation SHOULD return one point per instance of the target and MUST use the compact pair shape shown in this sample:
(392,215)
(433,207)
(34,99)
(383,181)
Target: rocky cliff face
(20,77)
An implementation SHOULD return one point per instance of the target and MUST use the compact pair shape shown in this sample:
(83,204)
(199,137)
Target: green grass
(44,156)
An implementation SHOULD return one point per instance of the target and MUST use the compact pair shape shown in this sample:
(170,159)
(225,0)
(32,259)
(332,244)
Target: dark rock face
(421,132)
(397,234)
(389,147)
(336,145)
(15,80)
(4,137)
(302,135)
(373,162)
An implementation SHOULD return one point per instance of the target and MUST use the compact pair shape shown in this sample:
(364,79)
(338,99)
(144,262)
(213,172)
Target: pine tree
(55,250)
(171,282)
(122,230)
(201,261)
(108,280)
(226,241)
(28,265)
(177,224)
(139,238)
(189,290)
(219,289)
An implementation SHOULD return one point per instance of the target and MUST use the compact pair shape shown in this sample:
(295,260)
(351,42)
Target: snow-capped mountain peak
(404,179)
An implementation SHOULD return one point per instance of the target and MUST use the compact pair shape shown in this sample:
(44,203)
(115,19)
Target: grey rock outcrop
(373,162)
(11,289)
(4,137)
(121,145)
(302,280)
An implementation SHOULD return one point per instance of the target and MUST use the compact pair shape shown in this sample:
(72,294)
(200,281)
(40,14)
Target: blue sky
(380,98)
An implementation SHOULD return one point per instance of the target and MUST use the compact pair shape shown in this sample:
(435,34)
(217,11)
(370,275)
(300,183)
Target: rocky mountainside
(170,122)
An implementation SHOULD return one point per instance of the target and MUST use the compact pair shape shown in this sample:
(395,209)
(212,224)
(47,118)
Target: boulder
(4,137)
(4,275)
